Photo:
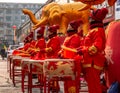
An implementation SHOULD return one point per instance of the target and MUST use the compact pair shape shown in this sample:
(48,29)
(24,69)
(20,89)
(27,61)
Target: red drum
(59,68)
(25,63)
(37,66)
(68,54)
(8,57)
(16,60)
(113,51)
(34,67)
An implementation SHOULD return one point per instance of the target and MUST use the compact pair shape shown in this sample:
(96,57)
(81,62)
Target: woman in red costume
(93,51)
(31,46)
(53,46)
(72,41)
(36,54)
(23,51)
(40,44)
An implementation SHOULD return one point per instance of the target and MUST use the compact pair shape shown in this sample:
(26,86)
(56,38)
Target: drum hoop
(53,60)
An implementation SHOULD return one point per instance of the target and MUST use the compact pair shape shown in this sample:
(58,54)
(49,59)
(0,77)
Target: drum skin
(112,51)
(59,68)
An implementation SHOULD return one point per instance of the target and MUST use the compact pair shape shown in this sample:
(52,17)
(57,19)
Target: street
(6,85)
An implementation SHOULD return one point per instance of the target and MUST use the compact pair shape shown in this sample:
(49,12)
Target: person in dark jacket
(2,51)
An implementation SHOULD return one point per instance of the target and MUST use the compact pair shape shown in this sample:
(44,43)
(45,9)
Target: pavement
(6,85)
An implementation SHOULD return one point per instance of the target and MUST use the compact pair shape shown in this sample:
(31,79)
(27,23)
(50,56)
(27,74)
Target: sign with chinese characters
(111,15)
(117,10)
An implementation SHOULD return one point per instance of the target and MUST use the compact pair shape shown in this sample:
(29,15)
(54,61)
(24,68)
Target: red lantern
(111,2)
(91,2)
(14,26)
(96,2)
(14,29)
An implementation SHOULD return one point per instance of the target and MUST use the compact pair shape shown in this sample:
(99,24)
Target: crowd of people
(87,51)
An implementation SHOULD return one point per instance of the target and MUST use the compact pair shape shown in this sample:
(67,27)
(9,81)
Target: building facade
(11,16)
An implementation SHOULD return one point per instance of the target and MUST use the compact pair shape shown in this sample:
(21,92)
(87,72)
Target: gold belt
(90,65)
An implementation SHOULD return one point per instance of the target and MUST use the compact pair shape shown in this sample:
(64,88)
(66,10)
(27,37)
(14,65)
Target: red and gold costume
(93,51)
(40,44)
(72,41)
(53,46)
(94,59)
(26,50)
(36,54)
(23,51)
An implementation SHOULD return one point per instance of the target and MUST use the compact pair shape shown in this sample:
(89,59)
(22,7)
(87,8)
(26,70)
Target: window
(1,24)
(118,2)
(1,19)
(8,11)
(23,17)
(8,25)
(1,33)
(1,11)
(16,19)
(17,11)
(8,18)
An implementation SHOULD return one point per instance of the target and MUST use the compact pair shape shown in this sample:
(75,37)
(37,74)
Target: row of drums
(47,68)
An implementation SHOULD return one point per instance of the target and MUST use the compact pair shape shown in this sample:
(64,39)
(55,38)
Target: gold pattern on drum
(72,89)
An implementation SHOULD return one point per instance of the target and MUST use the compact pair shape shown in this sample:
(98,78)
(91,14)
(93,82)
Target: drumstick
(70,49)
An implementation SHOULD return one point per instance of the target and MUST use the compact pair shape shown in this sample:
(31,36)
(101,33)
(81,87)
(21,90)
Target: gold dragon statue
(62,14)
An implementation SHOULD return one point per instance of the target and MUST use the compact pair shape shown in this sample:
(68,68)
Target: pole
(14,34)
